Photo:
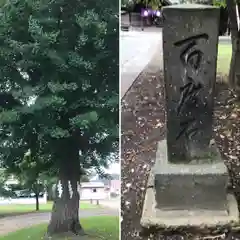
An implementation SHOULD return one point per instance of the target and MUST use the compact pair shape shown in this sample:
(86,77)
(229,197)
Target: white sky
(114,168)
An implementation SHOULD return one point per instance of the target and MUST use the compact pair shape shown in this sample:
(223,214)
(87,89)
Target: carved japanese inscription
(190,40)
(191,58)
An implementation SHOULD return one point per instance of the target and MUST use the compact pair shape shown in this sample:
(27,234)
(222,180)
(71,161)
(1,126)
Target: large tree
(59,92)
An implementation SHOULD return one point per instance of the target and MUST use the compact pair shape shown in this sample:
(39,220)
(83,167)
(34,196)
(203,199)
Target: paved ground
(111,203)
(136,50)
(11,224)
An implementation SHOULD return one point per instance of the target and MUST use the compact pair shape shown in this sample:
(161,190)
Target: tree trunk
(65,212)
(37,201)
(130,18)
(65,216)
(234,71)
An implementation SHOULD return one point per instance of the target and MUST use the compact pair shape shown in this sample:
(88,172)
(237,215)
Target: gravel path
(113,203)
(11,224)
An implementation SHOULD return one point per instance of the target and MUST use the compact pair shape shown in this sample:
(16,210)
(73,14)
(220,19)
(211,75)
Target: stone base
(153,217)
(188,195)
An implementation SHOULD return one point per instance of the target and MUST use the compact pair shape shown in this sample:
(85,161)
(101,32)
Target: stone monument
(188,183)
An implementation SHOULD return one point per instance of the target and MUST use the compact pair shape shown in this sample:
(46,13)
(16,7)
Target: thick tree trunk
(37,201)
(237,72)
(65,216)
(65,212)
(234,71)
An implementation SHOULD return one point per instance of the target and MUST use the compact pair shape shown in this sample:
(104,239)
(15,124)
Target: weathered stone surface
(155,217)
(188,183)
(190,38)
(189,186)
(157,212)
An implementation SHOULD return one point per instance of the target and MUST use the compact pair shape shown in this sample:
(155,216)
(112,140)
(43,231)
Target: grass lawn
(102,227)
(224,58)
(16,209)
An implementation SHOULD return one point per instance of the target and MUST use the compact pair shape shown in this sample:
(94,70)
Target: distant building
(92,191)
(115,186)
(106,181)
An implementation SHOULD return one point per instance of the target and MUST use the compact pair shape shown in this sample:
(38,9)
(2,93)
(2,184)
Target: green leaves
(81,41)
(76,60)
(36,30)
(56,87)
(58,61)
(84,120)
(57,132)
(8,116)
(219,3)
(89,17)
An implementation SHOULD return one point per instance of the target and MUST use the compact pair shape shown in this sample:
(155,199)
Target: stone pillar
(190,38)
(187,185)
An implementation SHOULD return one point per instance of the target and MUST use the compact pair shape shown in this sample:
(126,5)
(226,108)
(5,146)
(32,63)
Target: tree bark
(130,18)
(37,201)
(234,71)
(65,216)
(65,212)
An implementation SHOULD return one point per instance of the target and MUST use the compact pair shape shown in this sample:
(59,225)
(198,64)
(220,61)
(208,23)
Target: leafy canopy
(59,82)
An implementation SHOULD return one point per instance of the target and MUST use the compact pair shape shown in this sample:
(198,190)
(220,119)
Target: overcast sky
(114,168)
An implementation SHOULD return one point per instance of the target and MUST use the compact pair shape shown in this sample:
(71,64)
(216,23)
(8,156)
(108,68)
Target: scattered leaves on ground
(143,125)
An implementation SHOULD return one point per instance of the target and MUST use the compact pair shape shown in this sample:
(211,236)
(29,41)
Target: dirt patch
(143,125)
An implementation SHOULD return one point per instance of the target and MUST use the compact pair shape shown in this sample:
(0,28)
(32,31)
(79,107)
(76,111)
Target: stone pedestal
(188,195)
(199,185)
(188,183)
(190,39)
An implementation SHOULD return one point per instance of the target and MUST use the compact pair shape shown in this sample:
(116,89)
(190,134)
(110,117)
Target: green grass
(224,58)
(105,228)
(18,209)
